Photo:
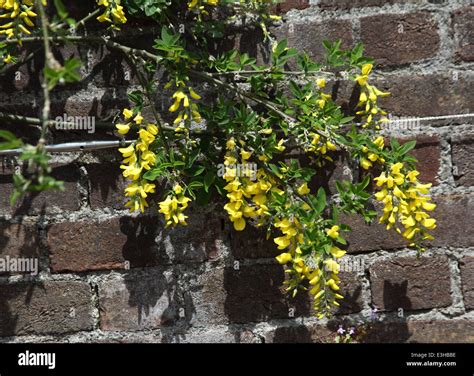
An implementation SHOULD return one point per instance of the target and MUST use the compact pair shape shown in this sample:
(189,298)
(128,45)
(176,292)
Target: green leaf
(320,200)
(405,148)
(61,9)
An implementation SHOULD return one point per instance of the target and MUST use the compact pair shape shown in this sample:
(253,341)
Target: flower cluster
(320,271)
(189,110)
(113,13)
(174,205)
(321,146)
(372,155)
(247,197)
(18,15)
(200,3)
(368,97)
(406,203)
(137,158)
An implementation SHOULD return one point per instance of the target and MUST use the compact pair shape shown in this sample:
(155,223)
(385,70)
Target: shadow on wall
(19,248)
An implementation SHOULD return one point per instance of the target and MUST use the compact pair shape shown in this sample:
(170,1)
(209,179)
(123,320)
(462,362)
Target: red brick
(373,237)
(309,36)
(467,278)
(349,4)
(252,243)
(427,95)
(286,5)
(19,241)
(48,201)
(411,283)
(393,39)
(132,242)
(428,154)
(138,301)
(463,28)
(435,331)
(309,333)
(462,151)
(52,307)
(106,186)
(255,293)
(454,216)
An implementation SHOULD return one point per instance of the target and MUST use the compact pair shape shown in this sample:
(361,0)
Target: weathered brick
(427,95)
(81,246)
(18,241)
(255,293)
(124,242)
(436,331)
(467,278)
(462,153)
(463,28)
(454,216)
(46,201)
(411,283)
(252,243)
(349,4)
(106,186)
(45,308)
(310,333)
(206,297)
(351,290)
(138,301)
(287,5)
(428,154)
(393,39)
(309,36)
(373,237)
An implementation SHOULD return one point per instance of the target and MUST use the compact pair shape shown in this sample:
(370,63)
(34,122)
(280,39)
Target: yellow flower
(123,128)
(337,252)
(127,113)
(333,232)
(239,224)
(282,242)
(284,258)
(138,119)
(321,82)
(303,189)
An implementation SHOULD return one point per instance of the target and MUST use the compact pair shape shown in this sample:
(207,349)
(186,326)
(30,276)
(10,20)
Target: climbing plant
(259,135)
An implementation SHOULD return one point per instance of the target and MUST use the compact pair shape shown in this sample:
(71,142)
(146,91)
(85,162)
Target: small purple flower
(341,330)
(374,313)
(352,331)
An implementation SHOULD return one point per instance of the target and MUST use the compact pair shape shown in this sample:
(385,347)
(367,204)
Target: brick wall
(107,277)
